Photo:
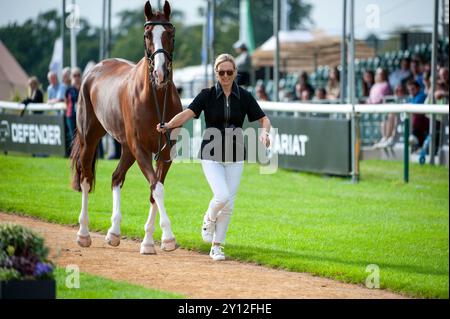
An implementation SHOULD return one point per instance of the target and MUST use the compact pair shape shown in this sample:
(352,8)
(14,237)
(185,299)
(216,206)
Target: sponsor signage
(37,134)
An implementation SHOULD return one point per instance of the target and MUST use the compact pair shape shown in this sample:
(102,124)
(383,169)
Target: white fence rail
(283,107)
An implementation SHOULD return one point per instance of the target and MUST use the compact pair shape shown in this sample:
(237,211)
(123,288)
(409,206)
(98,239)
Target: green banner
(319,145)
(34,134)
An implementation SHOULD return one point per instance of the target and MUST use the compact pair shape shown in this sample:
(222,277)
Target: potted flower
(25,271)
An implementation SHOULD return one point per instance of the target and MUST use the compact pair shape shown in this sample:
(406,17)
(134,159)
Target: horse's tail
(78,148)
(75,162)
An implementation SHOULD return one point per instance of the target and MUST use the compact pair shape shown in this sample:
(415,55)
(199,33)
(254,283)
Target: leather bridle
(151,64)
(151,56)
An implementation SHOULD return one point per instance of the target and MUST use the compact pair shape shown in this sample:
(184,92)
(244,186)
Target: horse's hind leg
(118,178)
(87,163)
(89,133)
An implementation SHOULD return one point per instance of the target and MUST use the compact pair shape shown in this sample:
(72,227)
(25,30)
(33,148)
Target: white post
(351,84)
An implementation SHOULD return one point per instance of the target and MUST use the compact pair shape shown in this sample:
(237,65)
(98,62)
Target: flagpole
(101,54)
(73,40)
(213,36)
(276,64)
(351,84)
(63,31)
(205,53)
(108,34)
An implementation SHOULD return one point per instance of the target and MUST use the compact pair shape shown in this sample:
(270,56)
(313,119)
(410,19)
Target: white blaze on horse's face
(160,58)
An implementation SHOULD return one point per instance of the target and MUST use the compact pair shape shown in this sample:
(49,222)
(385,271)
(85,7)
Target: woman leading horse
(225,106)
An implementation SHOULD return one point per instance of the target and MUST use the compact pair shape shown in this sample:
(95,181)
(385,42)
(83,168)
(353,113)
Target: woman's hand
(264,138)
(162,128)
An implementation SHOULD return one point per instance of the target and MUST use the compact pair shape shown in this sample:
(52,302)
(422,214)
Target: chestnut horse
(128,101)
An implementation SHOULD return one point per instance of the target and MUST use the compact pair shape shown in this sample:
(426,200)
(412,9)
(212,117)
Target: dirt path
(190,273)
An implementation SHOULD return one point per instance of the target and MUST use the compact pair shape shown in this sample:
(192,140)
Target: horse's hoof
(169,244)
(148,249)
(84,241)
(112,239)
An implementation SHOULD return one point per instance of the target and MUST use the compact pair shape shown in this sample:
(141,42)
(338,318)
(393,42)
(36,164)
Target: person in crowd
(441,93)
(243,64)
(420,123)
(389,125)
(71,98)
(67,77)
(301,85)
(443,75)
(333,85)
(222,170)
(34,94)
(401,95)
(427,88)
(321,94)
(417,72)
(306,96)
(368,81)
(402,74)
(261,94)
(56,91)
(380,89)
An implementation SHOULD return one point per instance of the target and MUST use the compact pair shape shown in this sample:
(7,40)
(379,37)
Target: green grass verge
(296,221)
(95,287)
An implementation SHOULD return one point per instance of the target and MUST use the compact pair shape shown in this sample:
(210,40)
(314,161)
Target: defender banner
(37,134)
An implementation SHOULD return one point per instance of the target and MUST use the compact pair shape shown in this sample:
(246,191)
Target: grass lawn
(297,221)
(89,289)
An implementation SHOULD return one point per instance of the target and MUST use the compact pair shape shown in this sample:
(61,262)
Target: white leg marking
(164,222)
(83,219)
(150,225)
(116,215)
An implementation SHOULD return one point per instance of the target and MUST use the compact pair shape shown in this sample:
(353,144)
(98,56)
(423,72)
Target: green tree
(31,43)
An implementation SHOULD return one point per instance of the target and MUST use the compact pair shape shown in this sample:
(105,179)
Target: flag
(246,35)
(57,58)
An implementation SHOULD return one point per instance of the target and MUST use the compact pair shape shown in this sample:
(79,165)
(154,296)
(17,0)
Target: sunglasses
(228,72)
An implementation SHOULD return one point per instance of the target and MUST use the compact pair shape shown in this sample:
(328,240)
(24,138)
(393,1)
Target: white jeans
(224,179)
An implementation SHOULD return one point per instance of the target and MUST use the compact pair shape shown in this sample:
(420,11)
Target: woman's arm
(177,121)
(264,122)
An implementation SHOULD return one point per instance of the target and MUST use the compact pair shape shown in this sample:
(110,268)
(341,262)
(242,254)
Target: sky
(327,14)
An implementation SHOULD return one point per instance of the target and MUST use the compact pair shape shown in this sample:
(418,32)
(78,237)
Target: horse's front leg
(148,245)
(168,242)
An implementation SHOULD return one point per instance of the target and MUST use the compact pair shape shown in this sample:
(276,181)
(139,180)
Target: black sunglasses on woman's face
(228,72)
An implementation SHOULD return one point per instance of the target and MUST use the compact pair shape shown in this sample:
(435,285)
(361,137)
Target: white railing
(347,108)
(283,107)
(33,106)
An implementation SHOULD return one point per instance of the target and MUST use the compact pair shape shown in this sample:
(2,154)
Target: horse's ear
(148,11)
(167,10)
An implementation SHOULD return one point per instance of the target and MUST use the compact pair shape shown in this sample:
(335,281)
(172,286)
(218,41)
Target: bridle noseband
(151,65)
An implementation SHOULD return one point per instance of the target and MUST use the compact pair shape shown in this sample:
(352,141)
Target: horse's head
(159,39)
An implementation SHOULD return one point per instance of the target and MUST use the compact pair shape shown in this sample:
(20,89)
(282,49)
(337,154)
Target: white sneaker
(208,229)
(216,253)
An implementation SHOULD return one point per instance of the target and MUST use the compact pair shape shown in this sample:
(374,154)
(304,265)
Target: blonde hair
(33,85)
(225,57)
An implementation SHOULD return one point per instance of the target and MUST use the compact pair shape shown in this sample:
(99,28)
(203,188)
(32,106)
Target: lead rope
(161,120)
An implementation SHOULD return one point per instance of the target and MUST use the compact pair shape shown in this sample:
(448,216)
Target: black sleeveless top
(224,117)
